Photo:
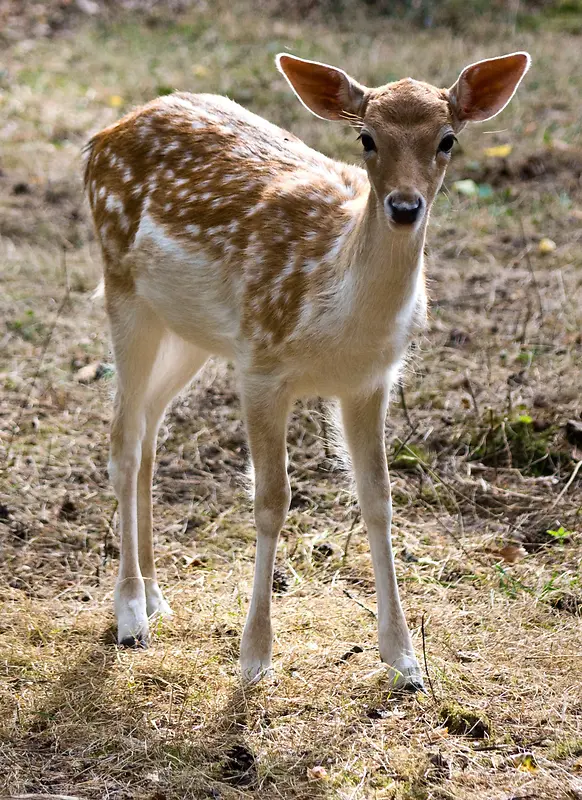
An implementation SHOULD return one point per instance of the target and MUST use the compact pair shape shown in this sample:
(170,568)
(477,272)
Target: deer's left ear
(485,88)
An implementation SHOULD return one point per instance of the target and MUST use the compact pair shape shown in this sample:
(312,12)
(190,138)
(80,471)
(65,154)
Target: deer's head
(407,128)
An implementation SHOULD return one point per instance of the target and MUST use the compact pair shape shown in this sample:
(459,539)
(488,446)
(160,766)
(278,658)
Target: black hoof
(134,642)
(414,687)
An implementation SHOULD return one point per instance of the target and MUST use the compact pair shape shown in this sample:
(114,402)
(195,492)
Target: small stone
(90,373)
(317,773)
(574,432)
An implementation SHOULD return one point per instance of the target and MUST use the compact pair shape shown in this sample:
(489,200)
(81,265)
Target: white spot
(150,229)
(113,203)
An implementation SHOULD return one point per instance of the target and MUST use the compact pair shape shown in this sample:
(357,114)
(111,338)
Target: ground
(484,441)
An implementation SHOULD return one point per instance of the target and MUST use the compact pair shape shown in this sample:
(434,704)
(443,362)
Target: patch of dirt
(43,212)
(562,167)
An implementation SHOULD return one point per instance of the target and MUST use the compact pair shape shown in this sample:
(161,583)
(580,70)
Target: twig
(405,408)
(528,315)
(531,270)
(571,480)
(425,661)
(469,387)
(402,445)
(359,603)
(355,521)
(326,448)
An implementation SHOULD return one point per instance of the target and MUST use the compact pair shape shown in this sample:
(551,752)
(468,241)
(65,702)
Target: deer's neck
(384,264)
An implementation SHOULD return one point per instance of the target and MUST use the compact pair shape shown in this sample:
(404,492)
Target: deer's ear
(326,91)
(485,88)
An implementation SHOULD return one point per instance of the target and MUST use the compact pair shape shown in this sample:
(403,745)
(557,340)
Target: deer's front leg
(363,421)
(266,409)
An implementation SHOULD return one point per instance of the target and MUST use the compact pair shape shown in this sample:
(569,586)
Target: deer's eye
(367,142)
(447,143)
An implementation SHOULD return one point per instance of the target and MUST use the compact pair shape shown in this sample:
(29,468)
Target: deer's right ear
(326,91)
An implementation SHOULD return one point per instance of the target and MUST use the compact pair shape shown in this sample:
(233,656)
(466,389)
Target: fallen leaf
(546,246)
(467,187)
(525,762)
(512,553)
(499,151)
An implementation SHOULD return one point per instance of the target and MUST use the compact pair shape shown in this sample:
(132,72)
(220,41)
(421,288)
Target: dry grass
(471,474)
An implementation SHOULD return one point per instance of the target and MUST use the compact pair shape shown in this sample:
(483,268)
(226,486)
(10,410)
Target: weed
(462,721)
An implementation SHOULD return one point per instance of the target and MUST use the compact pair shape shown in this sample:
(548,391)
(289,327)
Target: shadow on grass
(93,735)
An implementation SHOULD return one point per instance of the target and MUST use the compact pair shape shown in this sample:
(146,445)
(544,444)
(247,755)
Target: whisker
(354,120)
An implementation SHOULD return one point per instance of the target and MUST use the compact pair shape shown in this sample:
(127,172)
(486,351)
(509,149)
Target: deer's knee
(126,448)
(376,509)
(272,500)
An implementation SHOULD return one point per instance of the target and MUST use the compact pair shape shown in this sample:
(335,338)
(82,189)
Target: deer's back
(256,215)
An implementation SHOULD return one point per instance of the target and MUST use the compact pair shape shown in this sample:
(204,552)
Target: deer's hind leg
(176,365)
(149,374)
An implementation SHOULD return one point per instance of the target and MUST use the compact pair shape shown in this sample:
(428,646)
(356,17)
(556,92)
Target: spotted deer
(224,234)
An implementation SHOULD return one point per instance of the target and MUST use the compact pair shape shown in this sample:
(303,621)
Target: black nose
(404,208)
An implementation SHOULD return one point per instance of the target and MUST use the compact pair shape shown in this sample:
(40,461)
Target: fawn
(224,234)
